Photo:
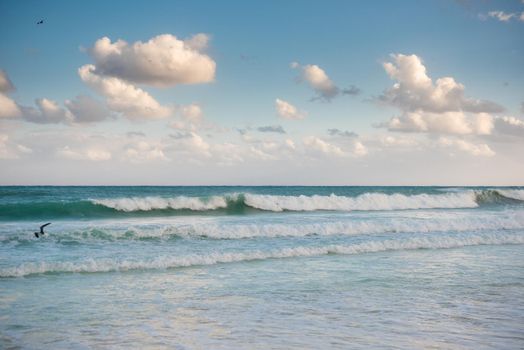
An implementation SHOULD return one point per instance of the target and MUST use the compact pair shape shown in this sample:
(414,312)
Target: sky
(262,92)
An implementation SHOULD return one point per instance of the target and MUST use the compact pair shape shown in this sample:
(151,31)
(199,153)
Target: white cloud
(481,150)
(509,126)
(92,154)
(440,107)
(124,97)
(48,112)
(501,15)
(143,151)
(162,61)
(287,111)
(11,150)
(5,83)
(318,80)
(192,113)
(504,16)
(415,90)
(317,145)
(359,149)
(8,107)
(85,109)
(447,123)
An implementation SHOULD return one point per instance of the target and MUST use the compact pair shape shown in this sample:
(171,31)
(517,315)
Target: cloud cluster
(287,111)
(82,109)
(162,61)
(439,107)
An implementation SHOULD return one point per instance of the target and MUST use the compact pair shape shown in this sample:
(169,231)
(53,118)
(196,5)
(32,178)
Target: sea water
(262,267)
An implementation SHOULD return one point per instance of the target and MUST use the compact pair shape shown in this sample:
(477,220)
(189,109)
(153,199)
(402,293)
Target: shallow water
(441,276)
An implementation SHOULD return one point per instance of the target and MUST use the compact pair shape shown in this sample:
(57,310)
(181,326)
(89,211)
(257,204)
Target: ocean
(262,267)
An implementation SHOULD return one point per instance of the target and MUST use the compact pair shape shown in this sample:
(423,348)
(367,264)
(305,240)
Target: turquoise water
(262,267)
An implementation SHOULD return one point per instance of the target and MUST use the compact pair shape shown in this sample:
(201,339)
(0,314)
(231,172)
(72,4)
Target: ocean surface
(262,268)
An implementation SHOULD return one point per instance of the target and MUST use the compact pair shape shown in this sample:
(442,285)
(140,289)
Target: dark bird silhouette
(37,234)
(40,22)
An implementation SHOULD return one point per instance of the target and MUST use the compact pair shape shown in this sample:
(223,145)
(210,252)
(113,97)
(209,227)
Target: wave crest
(159,203)
(366,201)
(166,262)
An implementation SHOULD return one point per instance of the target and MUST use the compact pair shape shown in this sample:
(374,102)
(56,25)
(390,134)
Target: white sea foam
(444,223)
(294,226)
(152,203)
(514,194)
(165,262)
(366,201)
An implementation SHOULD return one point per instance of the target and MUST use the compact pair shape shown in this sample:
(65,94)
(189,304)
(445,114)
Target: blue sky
(252,45)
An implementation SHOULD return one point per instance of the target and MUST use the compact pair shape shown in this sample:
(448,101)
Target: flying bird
(37,234)
(40,22)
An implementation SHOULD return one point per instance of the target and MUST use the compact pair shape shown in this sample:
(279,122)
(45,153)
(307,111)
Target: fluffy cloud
(416,91)
(481,150)
(8,107)
(162,61)
(86,109)
(509,126)
(325,89)
(447,123)
(47,112)
(318,80)
(192,113)
(440,107)
(272,128)
(92,154)
(124,97)
(11,150)
(5,83)
(317,145)
(82,109)
(189,143)
(143,151)
(287,111)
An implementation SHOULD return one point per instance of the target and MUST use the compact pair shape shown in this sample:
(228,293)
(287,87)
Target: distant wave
(364,202)
(153,203)
(246,202)
(166,262)
(514,194)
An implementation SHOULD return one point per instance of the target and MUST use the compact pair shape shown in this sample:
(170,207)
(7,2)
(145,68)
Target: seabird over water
(37,234)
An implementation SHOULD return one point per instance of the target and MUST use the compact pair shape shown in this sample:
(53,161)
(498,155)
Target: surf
(212,258)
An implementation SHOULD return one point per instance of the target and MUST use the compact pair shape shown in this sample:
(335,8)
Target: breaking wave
(247,202)
(215,230)
(167,262)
